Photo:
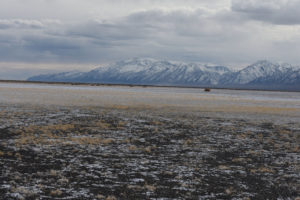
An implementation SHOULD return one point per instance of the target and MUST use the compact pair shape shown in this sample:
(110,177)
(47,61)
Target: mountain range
(144,71)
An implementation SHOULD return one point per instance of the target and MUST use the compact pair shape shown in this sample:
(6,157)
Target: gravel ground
(73,152)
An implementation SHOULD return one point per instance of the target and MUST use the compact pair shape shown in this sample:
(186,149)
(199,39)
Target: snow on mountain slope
(257,72)
(156,72)
(150,71)
(292,78)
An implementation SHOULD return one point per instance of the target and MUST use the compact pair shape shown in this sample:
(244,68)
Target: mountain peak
(266,66)
(138,60)
(263,62)
(260,70)
(263,65)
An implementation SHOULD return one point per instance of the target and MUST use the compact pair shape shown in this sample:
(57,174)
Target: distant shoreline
(144,85)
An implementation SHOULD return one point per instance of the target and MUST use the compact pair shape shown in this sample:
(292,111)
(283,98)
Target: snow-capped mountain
(258,72)
(261,75)
(145,71)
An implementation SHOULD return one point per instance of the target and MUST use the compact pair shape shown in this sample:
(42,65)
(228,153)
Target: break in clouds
(223,32)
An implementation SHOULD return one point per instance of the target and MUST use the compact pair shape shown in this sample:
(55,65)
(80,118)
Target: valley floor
(85,150)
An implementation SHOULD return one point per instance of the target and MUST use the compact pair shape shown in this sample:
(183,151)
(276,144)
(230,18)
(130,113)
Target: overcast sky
(82,34)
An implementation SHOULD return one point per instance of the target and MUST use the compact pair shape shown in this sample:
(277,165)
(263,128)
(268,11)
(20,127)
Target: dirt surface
(61,152)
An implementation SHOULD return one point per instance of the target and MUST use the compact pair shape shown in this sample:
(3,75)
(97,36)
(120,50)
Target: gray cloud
(82,10)
(221,36)
(284,12)
(26,24)
(19,23)
(175,34)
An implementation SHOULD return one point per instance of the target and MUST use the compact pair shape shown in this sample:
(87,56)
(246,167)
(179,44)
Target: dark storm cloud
(284,12)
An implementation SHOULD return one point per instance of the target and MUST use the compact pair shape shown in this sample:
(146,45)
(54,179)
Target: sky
(41,36)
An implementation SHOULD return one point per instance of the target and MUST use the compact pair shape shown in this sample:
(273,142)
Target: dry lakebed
(121,142)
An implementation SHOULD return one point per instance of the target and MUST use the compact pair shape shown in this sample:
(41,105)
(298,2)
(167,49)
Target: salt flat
(119,142)
(188,99)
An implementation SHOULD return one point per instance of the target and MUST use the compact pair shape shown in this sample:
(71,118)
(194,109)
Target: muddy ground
(122,153)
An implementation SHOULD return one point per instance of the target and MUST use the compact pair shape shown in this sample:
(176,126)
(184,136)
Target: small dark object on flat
(207,89)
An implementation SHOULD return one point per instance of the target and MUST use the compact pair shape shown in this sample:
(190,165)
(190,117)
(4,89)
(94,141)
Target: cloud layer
(284,12)
(222,32)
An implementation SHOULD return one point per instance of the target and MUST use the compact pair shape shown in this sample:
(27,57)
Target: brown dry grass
(120,107)
(102,124)
(156,123)
(148,149)
(151,188)
(53,172)
(60,134)
(295,149)
(111,198)
(262,170)
(241,160)
(121,124)
(108,141)
(188,142)
(223,167)
(229,191)
(56,193)
(100,196)
(132,148)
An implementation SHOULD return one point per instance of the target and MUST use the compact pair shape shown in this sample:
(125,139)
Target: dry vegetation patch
(122,153)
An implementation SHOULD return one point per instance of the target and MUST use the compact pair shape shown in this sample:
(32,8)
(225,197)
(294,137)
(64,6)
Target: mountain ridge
(144,71)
